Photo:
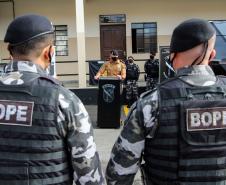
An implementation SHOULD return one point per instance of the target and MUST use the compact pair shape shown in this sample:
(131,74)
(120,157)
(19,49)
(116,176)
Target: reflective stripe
(48,181)
(31,143)
(26,157)
(204,161)
(32,130)
(204,173)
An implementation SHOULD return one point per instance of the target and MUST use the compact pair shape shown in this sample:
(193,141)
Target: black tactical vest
(32,150)
(152,68)
(132,72)
(189,146)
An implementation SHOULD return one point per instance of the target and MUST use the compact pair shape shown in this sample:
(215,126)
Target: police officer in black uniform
(151,68)
(46,136)
(132,75)
(178,129)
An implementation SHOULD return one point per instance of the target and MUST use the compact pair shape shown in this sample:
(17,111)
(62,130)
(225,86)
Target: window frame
(150,30)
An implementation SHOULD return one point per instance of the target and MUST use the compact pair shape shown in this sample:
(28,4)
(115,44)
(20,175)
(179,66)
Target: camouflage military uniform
(73,123)
(141,123)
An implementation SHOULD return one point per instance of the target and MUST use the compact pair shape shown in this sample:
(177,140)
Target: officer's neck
(20,58)
(39,61)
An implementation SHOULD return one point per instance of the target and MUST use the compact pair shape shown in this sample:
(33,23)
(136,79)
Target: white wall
(167,14)
(6,15)
(58,11)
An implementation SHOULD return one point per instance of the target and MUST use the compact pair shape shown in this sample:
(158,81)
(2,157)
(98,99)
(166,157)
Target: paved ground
(105,138)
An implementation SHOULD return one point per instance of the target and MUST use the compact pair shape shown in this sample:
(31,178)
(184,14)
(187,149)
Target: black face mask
(114,58)
(130,60)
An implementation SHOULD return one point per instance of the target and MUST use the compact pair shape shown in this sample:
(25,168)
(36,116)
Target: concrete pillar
(80,26)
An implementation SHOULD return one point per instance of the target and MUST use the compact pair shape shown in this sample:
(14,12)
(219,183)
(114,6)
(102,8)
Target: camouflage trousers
(131,92)
(151,83)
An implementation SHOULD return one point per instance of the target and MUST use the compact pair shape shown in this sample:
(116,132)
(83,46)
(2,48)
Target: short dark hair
(130,57)
(114,52)
(34,46)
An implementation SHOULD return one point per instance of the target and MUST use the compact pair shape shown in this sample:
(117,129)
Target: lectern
(109,102)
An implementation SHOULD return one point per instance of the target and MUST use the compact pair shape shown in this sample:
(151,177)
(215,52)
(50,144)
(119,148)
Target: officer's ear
(47,53)
(45,56)
(212,54)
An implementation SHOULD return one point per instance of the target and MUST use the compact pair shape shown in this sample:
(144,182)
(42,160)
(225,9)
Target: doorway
(113,37)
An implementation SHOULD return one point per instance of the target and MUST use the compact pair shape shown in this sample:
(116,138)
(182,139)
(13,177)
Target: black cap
(27,27)
(114,53)
(189,34)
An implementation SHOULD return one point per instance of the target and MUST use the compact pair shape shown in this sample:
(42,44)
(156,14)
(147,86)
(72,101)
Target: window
(144,37)
(220,45)
(61,40)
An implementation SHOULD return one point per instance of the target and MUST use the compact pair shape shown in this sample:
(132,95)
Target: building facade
(133,27)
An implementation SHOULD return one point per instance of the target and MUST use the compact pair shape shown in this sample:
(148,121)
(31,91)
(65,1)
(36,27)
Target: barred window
(61,40)
(144,37)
